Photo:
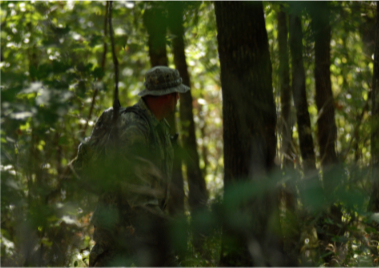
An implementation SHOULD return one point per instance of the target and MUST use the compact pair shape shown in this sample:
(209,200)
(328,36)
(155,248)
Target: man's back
(145,155)
(150,140)
(131,161)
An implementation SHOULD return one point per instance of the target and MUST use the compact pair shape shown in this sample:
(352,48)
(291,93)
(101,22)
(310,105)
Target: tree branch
(116,103)
(103,59)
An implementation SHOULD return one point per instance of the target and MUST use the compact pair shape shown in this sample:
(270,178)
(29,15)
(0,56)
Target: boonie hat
(162,80)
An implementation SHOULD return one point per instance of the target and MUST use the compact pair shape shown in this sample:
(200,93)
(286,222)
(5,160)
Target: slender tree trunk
(302,116)
(374,200)
(155,21)
(285,89)
(198,194)
(292,235)
(197,188)
(249,134)
(299,94)
(204,150)
(327,130)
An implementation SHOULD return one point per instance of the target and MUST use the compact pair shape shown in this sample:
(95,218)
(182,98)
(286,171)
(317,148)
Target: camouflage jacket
(136,133)
(144,151)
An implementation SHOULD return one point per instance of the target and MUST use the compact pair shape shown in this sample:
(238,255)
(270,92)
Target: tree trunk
(374,200)
(204,149)
(302,116)
(285,89)
(299,95)
(327,130)
(249,135)
(197,188)
(198,194)
(155,22)
(288,193)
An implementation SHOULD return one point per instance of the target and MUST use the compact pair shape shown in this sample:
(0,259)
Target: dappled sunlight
(259,195)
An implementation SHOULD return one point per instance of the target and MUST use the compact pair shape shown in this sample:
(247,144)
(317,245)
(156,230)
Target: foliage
(52,72)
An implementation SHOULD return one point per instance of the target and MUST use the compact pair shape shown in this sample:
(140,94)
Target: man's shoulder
(127,116)
(133,116)
(133,126)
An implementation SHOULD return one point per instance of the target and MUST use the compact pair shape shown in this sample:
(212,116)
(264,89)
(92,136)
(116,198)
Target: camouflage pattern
(144,147)
(134,131)
(144,243)
(162,80)
(132,173)
(146,141)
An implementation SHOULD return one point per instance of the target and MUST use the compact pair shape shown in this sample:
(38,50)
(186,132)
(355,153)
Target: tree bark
(203,126)
(374,200)
(155,21)
(249,134)
(327,130)
(302,117)
(197,188)
(288,193)
(285,89)
(300,95)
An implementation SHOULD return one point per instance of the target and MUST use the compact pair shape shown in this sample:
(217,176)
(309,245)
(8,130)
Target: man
(130,222)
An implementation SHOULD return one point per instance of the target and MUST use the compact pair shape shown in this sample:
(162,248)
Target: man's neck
(155,109)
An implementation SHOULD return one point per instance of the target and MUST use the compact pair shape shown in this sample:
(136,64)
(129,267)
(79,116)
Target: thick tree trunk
(285,89)
(374,200)
(299,94)
(197,188)
(249,134)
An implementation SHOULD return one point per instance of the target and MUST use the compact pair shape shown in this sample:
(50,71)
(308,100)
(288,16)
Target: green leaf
(98,72)
(61,30)
(60,67)
(95,39)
